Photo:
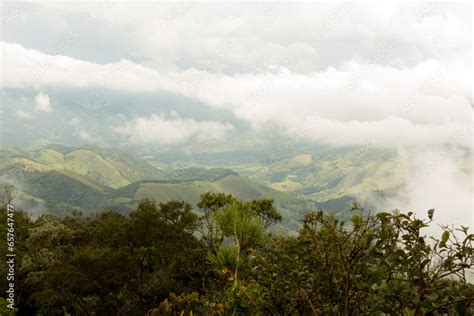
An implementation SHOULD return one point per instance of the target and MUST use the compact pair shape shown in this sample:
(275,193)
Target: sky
(386,74)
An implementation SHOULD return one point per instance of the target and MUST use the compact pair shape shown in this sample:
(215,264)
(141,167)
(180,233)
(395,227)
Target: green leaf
(430,213)
(445,236)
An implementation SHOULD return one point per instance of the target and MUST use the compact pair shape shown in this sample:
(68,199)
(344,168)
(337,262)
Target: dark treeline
(166,260)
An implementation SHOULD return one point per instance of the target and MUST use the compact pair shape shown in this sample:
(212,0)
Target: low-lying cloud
(43,104)
(428,103)
(158,129)
(444,184)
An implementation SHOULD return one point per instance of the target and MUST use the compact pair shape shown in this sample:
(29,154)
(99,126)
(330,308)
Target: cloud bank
(354,104)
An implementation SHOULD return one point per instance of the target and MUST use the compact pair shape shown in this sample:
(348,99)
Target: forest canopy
(166,259)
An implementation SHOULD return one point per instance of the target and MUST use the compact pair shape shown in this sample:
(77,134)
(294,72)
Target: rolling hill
(108,167)
(60,179)
(329,175)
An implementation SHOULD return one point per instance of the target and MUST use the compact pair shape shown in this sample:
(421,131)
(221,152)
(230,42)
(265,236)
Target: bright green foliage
(225,216)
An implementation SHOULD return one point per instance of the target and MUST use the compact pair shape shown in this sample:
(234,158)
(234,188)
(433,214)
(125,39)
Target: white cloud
(435,179)
(23,114)
(428,103)
(160,130)
(84,135)
(305,37)
(22,66)
(43,103)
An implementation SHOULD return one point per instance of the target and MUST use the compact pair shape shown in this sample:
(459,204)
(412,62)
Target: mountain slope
(59,179)
(331,174)
(292,208)
(110,168)
(190,191)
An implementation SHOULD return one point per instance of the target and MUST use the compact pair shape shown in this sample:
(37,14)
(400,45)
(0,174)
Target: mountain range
(59,179)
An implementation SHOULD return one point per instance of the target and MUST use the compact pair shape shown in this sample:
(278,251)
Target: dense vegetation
(166,260)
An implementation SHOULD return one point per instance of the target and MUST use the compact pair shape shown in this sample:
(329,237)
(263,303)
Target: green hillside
(131,168)
(63,191)
(241,187)
(59,179)
(110,168)
(330,174)
(291,207)
(247,189)
(199,173)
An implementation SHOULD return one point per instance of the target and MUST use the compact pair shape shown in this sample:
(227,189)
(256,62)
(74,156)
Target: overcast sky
(342,73)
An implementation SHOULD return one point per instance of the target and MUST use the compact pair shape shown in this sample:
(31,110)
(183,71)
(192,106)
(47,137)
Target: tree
(376,264)
(112,264)
(242,232)
(209,204)
(267,212)
(155,262)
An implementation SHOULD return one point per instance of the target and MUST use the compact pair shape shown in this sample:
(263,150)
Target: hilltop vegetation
(165,260)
